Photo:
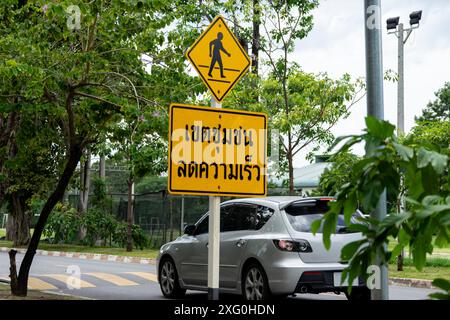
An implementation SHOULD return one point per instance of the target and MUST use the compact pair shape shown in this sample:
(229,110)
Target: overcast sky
(336,45)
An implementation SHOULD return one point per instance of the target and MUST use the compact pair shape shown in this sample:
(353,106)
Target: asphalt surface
(109,280)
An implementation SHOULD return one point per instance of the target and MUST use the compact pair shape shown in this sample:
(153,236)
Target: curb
(413,283)
(87,256)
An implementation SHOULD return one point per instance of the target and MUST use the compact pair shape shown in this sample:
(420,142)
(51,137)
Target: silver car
(266,250)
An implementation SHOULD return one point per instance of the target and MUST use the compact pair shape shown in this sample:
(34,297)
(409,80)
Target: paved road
(130,281)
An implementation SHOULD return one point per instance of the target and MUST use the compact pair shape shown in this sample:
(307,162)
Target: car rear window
(302,215)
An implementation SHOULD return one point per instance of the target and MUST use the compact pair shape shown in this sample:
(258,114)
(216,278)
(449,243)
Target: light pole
(394,27)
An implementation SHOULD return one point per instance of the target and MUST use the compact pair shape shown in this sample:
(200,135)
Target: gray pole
(182,215)
(375,107)
(214,239)
(401,83)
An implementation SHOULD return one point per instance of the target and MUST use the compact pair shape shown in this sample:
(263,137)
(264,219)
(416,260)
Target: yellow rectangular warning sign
(217,151)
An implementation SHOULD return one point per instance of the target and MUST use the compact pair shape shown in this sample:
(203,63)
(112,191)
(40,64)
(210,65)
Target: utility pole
(375,107)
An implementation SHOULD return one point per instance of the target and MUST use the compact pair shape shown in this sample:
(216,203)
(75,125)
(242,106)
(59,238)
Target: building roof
(305,177)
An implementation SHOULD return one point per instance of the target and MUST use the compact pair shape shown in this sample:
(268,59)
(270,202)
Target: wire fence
(162,216)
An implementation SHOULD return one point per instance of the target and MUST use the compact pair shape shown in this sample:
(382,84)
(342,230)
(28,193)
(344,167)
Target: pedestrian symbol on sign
(216,46)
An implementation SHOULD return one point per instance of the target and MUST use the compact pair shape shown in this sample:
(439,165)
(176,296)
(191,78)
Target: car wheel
(255,285)
(359,294)
(168,280)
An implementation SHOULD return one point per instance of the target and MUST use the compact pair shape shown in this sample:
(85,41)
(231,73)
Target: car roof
(279,201)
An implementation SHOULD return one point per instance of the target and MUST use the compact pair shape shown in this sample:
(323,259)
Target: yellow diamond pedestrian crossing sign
(218,58)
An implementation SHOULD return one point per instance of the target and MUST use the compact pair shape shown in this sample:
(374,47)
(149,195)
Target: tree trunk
(401,256)
(13,270)
(85,183)
(290,165)
(256,37)
(130,216)
(170,219)
(18,226)
(21,288)
(102,167)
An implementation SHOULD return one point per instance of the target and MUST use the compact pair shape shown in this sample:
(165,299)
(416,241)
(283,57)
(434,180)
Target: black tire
(359,294)
(168,280)
(255,285)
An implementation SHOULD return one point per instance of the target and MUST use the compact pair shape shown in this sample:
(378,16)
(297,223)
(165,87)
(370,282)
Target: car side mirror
(189,229)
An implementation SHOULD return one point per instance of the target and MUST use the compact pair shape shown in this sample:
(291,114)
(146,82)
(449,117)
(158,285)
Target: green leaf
(329,227)
(442,284)
(406,153)
(438,161)
(315,226)
(349,250)
(403,237)
(431,210)
(397,249)
(439,296)
(395,219)
(350,206)
(380,129)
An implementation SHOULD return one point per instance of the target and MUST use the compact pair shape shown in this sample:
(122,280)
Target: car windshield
(302,215)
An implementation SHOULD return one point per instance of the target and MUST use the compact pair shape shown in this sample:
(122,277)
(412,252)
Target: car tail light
(293,246)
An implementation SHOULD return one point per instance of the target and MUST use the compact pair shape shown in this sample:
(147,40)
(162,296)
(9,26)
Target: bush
(63,224)
(99,225)
(140,239)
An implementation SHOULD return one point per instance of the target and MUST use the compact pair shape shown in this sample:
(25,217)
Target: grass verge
(5,294)
(428,273)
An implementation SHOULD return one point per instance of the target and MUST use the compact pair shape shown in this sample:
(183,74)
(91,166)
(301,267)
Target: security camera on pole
(394,27)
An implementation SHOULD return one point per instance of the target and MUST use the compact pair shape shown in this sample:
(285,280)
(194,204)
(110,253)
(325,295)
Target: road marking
(146,275)
(114,279)
(64,278)
(38,284)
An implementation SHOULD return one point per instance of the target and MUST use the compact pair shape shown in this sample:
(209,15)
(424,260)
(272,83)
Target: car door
(194,265)
(237,225)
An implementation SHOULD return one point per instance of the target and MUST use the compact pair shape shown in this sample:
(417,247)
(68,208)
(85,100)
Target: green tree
(440,108)
(151,183)
(423,225)
(340,173)
(140,146)
(302,106)
(434,134)
(78,76)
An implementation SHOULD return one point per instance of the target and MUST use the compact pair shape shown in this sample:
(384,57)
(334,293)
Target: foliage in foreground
(423,225)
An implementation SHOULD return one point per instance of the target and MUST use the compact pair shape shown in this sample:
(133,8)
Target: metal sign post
(214,239)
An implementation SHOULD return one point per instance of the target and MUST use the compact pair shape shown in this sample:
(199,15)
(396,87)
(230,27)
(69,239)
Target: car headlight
(293,246)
